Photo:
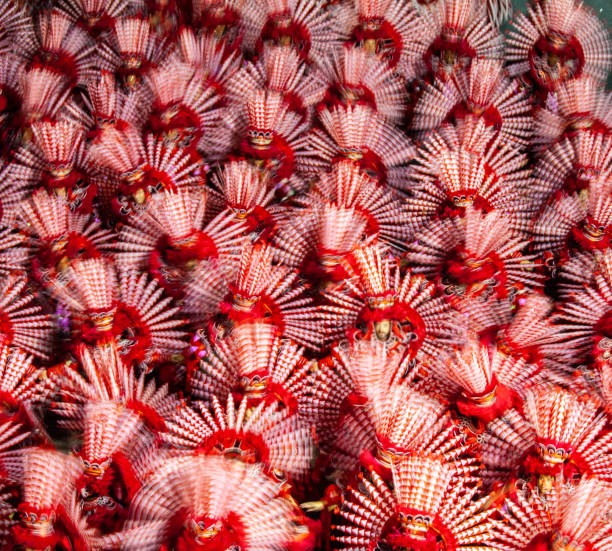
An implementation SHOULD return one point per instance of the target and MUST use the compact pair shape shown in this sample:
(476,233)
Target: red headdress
(255,363)
(280,69)
(483,92)
(584,318)
(405,310)
(487,382)
(570,435)
(65,48)
(580,220)
(203,503)
(131,312)
(477,260)
(58,234)
(22,387)
(356,76)
(171,237)
(455,34)
(556,41)
(278,439)
(187,106)
(135,49)
(305,25)
(274,135)
(48,515)
(142,168)
(106,105)
(534,336)
(209,54)
(319,238)
(44,93)
(391,30)
(359,133)
(348,186)
(430,506)
(246,191)
(97,16)
(236,23)
(568,519)
(580,106)
(464,165)
(16,29)
(115,454)
(57,159)
(366,413)
(272,294)
(106,377)
(11,100)
(566,167)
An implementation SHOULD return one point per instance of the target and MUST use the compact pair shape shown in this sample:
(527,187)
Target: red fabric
(129,319)
(77,246)
(263,309)
(278,151)
(396,536)
(251,445)
(232,534)
(402,313)
(602,329)
(489,114)
(582,242)
(461,48)
(571,50)
(151,181)
(60,62)
(540,543)
(128,476)
(97,25)
(574,183)
(278,393)
(370,462)
(69,182)
(403,541)
(533,464)
(384,34)
(153,419)
(23,536)
(273,32)
(294,103)
(81,198)
(184,118)
(307,541)
(492,267)
(91,334)
(505,399)
(66,536)
(227,18)
(531,354)
(314,270)
(260,220)
(200,246)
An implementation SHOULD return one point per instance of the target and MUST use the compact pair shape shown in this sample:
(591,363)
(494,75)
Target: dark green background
(604,5)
